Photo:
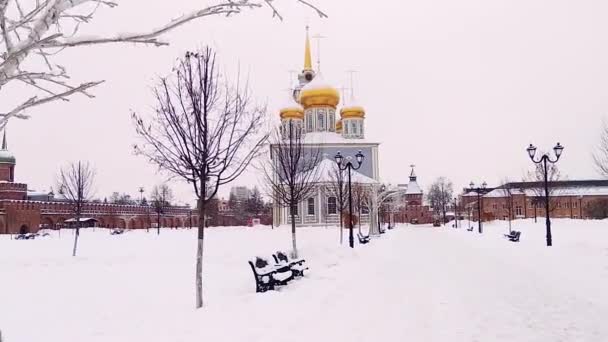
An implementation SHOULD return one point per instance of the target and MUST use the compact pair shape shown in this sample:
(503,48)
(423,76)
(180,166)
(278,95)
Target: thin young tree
(536,178)
(34,34)
(337,189)
(161,199)
(76,183)
(600,155)
(360,198)
(507,192)
(440,195)
(292,174)
(204,130)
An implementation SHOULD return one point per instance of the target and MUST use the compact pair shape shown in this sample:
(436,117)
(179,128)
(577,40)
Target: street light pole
(456,212)
(349,166)
(478,190)
(545,158)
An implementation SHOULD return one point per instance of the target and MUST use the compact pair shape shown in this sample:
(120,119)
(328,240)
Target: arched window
(321,119)
(311,206)
(309,126)
(332,207)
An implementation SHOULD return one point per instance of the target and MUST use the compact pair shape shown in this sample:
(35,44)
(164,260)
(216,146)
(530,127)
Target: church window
(346,128)
(332,207)
(518,210)
(311,206)
(353,127)
(321,118)
(309,126)
(361,128)
(332,121)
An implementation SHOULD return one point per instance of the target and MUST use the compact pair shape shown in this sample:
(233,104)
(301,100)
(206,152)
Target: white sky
(458,88)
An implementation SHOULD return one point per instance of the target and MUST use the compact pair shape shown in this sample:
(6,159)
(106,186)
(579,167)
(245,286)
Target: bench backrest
(282,256)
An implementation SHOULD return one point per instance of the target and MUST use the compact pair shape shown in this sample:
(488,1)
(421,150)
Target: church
(314,105)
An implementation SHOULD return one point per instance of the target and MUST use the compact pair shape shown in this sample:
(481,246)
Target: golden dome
(291,110)
(339,126)
(352,111)
(318,93)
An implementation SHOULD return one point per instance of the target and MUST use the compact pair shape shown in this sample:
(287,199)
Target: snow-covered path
(412,284)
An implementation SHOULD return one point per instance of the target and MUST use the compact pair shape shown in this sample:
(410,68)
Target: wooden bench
(362,239)
(268,277)
(513,236)
(297,266)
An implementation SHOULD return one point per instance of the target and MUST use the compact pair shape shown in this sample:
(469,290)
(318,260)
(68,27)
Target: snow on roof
(318,82)
(503,193)
(82,219)
(413,188)
(332,138)
(470,194)
(327,166)
(572,191)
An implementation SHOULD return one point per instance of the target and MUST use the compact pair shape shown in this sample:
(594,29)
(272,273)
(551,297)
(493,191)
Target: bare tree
(508,195)
(536,180)
(76,183)
(440,195)
(600,155)
(360,194)
(292,173)
(161,199)
(204,131)
(337,189)
(34,33)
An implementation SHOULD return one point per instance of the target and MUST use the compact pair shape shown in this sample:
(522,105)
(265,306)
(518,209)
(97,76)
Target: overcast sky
(459,88)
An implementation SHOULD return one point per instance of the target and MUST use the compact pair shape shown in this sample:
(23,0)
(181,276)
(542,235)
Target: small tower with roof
(7,162)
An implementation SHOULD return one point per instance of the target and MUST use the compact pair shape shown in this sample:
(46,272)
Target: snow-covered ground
(415,283)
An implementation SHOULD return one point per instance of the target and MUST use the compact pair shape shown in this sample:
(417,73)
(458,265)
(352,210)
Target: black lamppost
(478,190)
(349,166)
(455,212)
(544,159)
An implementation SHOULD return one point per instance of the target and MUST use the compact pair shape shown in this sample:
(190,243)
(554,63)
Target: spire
(412,174)
(4,147)
(307,57)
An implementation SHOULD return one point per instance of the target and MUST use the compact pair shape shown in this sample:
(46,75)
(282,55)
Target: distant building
(240,193)
(26,211)
(409,206)
(568,199)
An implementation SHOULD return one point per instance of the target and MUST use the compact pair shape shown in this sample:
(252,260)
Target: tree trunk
(199,254)
(341,228)
(76,235)
(294,252)
(158,223)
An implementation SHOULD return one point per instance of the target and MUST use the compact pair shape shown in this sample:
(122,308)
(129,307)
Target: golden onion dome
(352,110)
(319,93)
(291,110)
(339,126)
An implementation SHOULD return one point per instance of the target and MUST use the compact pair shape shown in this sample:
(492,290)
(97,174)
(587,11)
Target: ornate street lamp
(455,212)
(478,190)
(544,159)
(349,166)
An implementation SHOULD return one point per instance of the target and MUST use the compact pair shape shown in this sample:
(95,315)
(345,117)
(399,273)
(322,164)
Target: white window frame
(308,202)
(335,206)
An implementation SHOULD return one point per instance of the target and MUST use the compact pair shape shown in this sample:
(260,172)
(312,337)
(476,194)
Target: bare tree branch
(203,131)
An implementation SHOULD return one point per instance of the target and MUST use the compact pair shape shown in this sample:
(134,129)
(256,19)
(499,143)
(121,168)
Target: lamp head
(359,156)
(558,150)
(339,158)
(531,151)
